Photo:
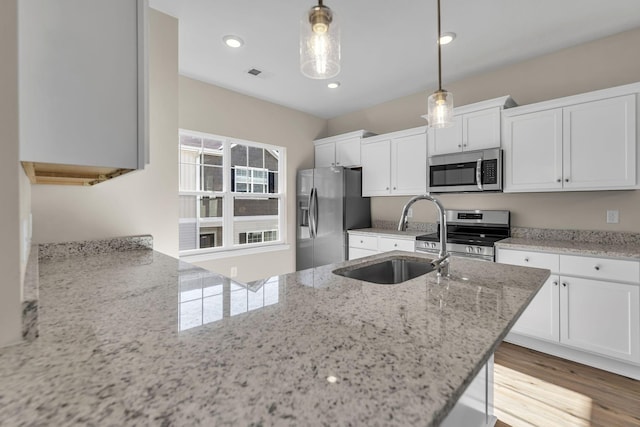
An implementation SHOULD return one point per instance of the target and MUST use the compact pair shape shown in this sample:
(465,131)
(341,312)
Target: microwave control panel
(490,171)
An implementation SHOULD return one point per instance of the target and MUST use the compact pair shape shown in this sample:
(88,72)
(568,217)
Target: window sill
(207,256)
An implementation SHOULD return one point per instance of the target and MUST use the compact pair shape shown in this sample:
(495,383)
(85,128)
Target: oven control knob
(433,245)
(470,249)
(478,250)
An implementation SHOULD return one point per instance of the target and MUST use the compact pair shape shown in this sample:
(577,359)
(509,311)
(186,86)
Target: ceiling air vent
(254,71)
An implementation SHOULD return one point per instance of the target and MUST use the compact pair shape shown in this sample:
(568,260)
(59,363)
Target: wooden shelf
(55,174)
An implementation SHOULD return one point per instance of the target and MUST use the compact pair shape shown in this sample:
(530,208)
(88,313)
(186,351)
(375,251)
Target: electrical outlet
(613,216)
(234,272)
(410,213)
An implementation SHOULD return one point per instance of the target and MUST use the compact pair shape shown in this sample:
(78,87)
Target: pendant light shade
(319,43)
(440,103)
(440,109)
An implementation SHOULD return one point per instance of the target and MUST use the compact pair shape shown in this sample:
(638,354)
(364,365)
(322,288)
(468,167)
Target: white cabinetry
(477,127)
(584,142)
(365,244)
(339,150)
(395,163)
(83,88)
(589,304)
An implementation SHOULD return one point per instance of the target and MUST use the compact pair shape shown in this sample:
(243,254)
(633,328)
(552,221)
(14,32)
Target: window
(229,193)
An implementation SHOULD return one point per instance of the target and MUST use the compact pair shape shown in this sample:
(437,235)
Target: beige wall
(607,62)
(141,202)
(211,109)
(10,179)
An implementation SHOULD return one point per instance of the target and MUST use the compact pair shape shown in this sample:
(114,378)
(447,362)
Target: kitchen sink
(389,271)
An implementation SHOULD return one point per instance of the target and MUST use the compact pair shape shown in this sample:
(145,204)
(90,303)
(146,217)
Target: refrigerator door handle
(315,212)
(312,219)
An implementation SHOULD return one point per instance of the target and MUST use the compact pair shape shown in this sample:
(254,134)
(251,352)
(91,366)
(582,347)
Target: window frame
(229,195)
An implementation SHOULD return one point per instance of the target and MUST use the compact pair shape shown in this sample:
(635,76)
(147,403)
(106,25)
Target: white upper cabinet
(599,144)
(339,150)
(83,83)
(532,152)
(583,142)
(395,163)
(477,127)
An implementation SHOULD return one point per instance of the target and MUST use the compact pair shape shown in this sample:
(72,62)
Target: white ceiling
(388,47)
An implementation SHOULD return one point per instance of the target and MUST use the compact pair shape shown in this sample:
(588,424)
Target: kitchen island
(140,338)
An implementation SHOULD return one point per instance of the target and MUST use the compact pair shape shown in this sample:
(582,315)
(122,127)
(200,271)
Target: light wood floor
(534,389)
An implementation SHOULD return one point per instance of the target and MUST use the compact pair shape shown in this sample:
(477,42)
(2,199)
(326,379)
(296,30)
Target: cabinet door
(81,83)
(325,155)
(481,129)
(355,253)
(348,152)
(533,151)
(601,317)
(541,319)
(600,144)
(446,140)
(376,168)
(409,165)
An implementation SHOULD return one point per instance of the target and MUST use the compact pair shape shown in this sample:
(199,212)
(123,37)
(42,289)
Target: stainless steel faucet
(442,263)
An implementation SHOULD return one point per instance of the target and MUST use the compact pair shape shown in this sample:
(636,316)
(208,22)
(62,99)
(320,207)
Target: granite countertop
(604,248)
(409,234)
(140,338)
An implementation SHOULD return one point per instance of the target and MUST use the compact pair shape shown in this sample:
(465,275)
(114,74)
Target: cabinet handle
(459,146)
(395,245)
(526,260)
(564,284)
(558,180)
(394,188)
(597,267)
(555,283)
(337,163)
(464,145)
(566,180)
(387,188)
(361,241)
(333,164)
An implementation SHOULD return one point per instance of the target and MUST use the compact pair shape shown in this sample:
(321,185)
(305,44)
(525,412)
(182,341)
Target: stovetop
(463,240)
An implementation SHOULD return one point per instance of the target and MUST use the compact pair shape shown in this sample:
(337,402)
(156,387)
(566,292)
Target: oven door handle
(479,174)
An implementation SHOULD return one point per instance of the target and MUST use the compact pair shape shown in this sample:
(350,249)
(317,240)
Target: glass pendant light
(319,43)
(440,103)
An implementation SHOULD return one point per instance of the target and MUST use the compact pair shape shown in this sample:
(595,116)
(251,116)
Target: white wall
(141,202)
(211,109)
(603,63)
(11,179)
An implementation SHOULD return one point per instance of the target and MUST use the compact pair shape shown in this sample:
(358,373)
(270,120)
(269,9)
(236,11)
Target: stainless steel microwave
(468,171)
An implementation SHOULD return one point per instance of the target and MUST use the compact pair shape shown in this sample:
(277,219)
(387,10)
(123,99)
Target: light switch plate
(613,216)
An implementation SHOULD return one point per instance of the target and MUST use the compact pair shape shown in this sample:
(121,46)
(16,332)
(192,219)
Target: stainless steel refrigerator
(329,202)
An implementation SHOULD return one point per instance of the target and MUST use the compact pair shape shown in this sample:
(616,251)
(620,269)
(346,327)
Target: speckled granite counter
(628,250)
(139,338)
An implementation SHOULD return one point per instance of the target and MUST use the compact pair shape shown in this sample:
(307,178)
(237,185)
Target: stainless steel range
(470,233)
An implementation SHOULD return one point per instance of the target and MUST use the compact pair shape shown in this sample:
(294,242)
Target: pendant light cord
(439,53)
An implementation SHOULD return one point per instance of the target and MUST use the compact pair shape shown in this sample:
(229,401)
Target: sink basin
(388,271)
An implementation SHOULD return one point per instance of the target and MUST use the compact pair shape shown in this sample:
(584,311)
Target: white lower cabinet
(601,317)
(589,305)
(542,318)
(365,244)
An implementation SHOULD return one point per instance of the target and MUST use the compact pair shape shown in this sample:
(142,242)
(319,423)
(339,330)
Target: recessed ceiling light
(447,38)
(233,41)
(333,85)
(332,379)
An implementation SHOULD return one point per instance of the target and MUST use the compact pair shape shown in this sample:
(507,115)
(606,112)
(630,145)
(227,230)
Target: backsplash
(427,227)
(588,236)
(50,251)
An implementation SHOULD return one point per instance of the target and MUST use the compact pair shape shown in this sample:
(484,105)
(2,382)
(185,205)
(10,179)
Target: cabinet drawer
(364,242)
(386,244)
(529,259)
(600,268)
